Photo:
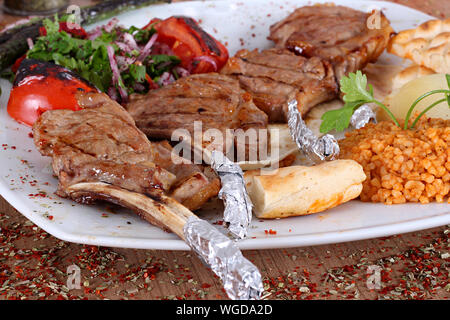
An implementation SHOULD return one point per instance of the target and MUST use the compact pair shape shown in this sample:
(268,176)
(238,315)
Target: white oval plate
(25,173)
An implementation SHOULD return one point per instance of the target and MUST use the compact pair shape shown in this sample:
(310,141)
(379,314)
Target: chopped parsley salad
(121,61)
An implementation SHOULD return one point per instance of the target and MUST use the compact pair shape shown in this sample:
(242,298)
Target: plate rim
(268,242)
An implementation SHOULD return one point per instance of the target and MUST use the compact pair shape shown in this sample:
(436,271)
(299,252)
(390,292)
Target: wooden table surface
(33,264)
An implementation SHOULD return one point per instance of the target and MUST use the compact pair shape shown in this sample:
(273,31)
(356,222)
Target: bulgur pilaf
(402,165)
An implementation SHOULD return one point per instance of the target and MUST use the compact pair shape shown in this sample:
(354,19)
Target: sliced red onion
(123,46)
(111,24)
(123,94)
(162,48)
(112,93)
(112,62)
(94,34)
(146,51)
(138,87)
(129,40)
(207,59)
(124,62)
(30,43)
(165,79)
(116,74)
(182,72)
(164,64)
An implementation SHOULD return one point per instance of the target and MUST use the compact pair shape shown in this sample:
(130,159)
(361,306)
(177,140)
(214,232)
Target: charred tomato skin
(189,42)
(40,86)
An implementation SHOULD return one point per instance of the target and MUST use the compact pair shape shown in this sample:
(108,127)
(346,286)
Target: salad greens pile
(89,56)
(357,93)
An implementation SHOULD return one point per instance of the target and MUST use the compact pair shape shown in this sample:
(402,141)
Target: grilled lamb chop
(101,143)
(194,184)
(99,154)
(338,34)
(215,100)
(276,76)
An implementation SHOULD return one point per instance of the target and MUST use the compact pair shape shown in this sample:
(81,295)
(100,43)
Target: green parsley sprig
(357,92)
(89,58)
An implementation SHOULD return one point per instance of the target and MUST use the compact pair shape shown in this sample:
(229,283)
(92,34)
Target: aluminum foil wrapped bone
(362,116)
(316,149)
(241,279)
(238,206)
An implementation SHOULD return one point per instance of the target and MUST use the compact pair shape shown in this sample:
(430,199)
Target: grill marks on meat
(215,100)
(276,76)
(101,143)
(336,33)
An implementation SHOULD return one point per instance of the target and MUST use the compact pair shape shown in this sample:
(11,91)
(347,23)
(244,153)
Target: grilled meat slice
(103,132)
(348,38)
(194,185)
(101,143)
(215,101)
(275,76)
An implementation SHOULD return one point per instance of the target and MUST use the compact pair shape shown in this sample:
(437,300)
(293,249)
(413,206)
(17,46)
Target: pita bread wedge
(427,45)
(301,190)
